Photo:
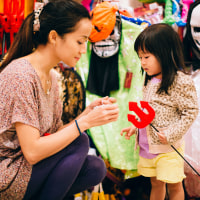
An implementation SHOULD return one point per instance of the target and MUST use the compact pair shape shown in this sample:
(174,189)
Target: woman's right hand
(98,102)
(129,131)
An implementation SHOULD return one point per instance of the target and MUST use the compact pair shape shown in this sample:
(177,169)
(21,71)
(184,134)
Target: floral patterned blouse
(22,99)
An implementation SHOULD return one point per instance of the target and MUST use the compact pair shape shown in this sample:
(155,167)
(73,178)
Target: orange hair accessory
(103,21)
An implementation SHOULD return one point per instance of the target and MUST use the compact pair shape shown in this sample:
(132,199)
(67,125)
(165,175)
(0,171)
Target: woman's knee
(97,168)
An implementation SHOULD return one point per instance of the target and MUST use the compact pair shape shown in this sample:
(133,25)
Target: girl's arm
(187,105)
(129,131)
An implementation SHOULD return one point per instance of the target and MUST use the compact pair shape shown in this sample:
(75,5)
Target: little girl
(171,93)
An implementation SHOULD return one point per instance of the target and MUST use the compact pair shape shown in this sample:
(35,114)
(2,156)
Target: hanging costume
(191,43)
(103,72)
(119,152)
(72,92)
(192,148)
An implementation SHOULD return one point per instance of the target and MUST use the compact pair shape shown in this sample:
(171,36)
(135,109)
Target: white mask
(195,25)
(110,46)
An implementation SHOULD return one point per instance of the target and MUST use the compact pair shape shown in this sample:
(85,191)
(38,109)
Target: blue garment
(135,20)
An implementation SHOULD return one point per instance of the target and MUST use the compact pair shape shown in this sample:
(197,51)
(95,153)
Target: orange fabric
(103,21)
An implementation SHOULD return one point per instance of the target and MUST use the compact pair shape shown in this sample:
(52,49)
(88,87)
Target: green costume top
(111,145)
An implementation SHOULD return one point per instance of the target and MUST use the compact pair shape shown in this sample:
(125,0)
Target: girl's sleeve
(187,103)
(18,101)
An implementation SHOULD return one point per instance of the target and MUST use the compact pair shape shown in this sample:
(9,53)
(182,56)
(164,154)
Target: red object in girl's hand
(144,119)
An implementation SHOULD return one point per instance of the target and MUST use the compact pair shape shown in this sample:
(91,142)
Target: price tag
(128,79)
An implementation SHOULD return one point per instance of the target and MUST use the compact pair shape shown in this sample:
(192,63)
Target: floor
(132,189)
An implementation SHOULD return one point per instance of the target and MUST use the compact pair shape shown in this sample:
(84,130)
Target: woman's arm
(98,102)
(37,148)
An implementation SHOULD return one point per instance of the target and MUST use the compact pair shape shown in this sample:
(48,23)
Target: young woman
(172,95)
(56,166)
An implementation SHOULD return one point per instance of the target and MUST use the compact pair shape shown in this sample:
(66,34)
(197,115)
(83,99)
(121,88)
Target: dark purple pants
(68,172)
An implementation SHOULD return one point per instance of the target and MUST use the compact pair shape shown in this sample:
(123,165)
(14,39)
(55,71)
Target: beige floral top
(174,113)
(22,99)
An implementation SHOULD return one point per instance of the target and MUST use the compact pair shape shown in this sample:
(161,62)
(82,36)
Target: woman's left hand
(102,101)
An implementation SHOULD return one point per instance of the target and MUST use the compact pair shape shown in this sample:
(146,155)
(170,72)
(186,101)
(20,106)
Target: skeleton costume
(103,74)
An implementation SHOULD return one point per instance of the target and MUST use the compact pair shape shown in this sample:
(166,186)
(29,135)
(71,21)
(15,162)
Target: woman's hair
(59,15)
(164,43)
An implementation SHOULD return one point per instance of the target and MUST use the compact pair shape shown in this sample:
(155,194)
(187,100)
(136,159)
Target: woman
(56,166)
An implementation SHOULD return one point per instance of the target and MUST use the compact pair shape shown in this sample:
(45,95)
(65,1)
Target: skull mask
(110,46)
(195,26)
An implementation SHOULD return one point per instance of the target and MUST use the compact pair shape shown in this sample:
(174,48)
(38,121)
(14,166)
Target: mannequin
(191,41)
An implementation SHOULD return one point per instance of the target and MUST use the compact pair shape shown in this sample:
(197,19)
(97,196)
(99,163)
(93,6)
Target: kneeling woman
(53,167)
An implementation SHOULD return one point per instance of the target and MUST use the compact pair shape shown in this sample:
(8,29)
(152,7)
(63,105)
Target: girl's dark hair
(164,43)
(59,15)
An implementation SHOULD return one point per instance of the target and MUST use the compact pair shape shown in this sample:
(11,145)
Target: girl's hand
(129,131)
(162,137)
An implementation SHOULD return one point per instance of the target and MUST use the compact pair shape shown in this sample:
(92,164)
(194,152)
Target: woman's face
(70,47)
(150,64)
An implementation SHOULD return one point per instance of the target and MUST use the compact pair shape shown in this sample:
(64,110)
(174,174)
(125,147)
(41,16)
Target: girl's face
(150,64)
(70,47)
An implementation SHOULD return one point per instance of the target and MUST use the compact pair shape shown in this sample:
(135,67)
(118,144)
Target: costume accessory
(103,21)
(195,26)
(78,127)
(110,45)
